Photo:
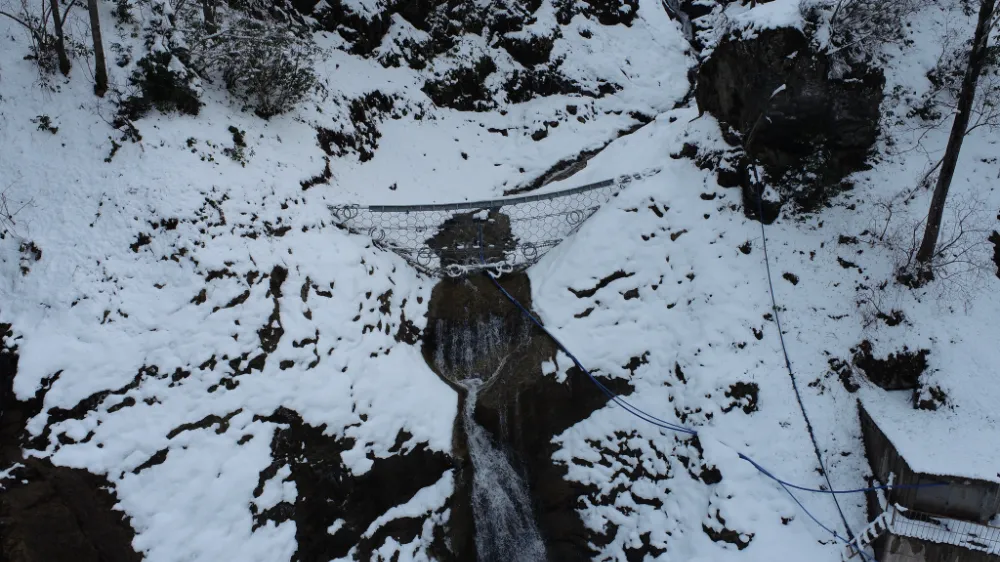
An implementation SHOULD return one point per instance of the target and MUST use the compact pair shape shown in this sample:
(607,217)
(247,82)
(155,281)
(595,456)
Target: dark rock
(845,373)
(528,51)
(808,136)
(529,84)
(995,239)
(524,409)
(51,513)
(929,397)
(607,12)
(587,293)
(328,491)
(364,33)
(458,239)
(365,113)
(691,16)
(463,88)
(758,208)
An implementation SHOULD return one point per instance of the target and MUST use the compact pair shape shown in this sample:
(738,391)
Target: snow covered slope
(167,299)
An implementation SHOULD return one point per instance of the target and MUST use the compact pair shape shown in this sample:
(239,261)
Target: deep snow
(93,311)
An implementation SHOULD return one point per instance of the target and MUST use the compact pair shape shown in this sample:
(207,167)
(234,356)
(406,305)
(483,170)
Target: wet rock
(458,239)
(807,130)
(522,408)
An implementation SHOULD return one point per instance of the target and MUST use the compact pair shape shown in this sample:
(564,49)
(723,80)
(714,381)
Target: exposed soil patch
(320,178)
(744,396)
(898,371)
(587,293)
(50,513)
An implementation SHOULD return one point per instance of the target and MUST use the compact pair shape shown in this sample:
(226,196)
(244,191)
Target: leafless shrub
(959,267)
(35,18)
(854,31)
(962,256)
(9,209)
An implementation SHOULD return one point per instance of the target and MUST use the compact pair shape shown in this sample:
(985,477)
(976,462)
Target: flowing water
(505,527)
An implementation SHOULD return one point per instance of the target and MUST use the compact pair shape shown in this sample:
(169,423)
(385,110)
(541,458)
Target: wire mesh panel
(501,235)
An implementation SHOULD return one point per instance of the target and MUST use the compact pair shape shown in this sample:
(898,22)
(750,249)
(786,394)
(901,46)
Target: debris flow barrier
(515,232)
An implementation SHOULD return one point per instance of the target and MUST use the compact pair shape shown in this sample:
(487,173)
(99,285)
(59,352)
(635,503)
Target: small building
(950,522)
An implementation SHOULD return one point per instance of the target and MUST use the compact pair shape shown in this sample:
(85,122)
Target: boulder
(807,129)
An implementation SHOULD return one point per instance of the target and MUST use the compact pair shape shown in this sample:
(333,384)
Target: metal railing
(502,235)
(945,530)
(928,527)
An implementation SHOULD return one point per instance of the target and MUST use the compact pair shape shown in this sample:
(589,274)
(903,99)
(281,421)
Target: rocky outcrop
(522,408)
(334,508)
(51,513)
(776,95)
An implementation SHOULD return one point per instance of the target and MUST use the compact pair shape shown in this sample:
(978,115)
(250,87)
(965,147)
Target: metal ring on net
(346,212)
(502,267)
(454,270)
(574,217)
(529,251)
(376,239)
(424,256)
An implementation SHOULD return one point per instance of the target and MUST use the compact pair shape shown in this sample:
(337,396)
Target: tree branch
(66,12)
(18,20)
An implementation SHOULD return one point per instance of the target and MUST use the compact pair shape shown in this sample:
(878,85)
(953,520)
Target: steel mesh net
(501,235)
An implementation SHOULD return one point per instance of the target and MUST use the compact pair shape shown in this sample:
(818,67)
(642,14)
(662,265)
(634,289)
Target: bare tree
(977,59)
(42,43)
(208,11)
(60,42)
(100,67)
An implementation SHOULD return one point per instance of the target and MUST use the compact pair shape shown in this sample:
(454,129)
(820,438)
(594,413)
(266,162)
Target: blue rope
(635,411)
(669,425)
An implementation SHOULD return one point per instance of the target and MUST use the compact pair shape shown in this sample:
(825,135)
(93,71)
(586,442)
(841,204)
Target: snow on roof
(960,439)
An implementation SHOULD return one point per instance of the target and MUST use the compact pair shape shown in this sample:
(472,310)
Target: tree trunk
(60,43)
(100,68)
(977,58)
(208,11)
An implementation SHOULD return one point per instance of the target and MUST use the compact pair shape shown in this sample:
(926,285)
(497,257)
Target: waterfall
(505,528)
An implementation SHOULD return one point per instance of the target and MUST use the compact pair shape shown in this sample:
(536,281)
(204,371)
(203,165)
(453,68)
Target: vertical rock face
(807,129)
(50,513)
(522,408)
